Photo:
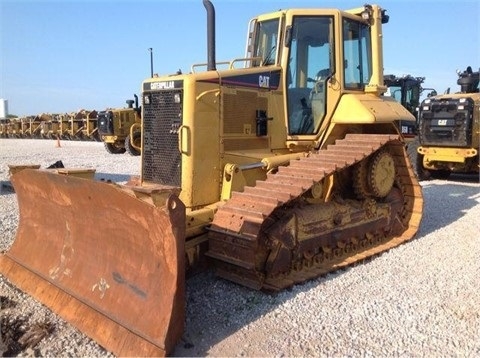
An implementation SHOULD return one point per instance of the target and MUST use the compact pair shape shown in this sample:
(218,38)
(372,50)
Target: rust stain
(65,256)
(119,279)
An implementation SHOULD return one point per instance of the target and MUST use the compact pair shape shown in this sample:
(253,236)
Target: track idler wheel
(375,176)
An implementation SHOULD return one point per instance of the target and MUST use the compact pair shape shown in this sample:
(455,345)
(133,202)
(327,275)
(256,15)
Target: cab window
(266,41)
(356,50)
(310,65)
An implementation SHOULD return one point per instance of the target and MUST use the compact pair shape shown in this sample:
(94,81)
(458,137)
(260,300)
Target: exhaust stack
(210,35)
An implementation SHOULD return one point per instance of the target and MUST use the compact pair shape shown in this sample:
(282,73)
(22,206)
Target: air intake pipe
(468,80)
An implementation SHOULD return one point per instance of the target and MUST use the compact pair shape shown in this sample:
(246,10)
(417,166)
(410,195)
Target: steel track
(234,239)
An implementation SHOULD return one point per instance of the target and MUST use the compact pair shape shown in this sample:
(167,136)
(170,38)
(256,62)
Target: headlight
(177,98)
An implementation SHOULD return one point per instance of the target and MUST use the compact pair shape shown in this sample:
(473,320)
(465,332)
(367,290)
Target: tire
(137,139)
(412,151)
(422,173)
(416,160)
(440,174)
(114,148)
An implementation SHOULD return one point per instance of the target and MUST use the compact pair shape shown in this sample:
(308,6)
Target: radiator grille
(447,123)
(105,123)
(161,121)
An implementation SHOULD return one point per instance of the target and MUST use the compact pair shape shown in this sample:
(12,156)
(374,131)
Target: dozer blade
(107,262)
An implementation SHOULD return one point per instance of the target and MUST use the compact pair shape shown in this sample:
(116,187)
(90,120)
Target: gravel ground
(420,299)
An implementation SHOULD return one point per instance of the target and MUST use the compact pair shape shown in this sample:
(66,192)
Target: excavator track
(355,199)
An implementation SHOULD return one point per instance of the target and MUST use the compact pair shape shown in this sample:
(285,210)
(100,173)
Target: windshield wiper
(268,58)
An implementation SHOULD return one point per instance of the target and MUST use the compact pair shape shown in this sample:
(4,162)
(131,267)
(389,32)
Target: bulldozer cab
(310,60)
(323,54)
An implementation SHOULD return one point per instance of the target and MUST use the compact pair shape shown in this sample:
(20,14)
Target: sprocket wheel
(381,175)
(360,180)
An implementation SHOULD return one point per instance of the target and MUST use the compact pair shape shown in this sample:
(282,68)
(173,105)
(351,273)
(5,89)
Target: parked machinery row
(118,128)
(80,125)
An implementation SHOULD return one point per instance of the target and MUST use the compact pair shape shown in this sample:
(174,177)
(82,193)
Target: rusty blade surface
(110,264)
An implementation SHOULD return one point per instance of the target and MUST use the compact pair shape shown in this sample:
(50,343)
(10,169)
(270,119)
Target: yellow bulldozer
(283,166)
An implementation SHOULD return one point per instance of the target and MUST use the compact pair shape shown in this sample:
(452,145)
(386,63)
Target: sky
(64,56)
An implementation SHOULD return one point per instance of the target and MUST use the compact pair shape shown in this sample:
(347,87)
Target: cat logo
(162,85)
(264,81)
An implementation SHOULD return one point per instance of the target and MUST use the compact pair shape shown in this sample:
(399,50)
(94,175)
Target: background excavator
(406,90)
(282,167)
(448,131)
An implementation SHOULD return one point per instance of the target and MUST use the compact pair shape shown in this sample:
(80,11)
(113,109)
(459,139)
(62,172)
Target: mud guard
(110,264)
